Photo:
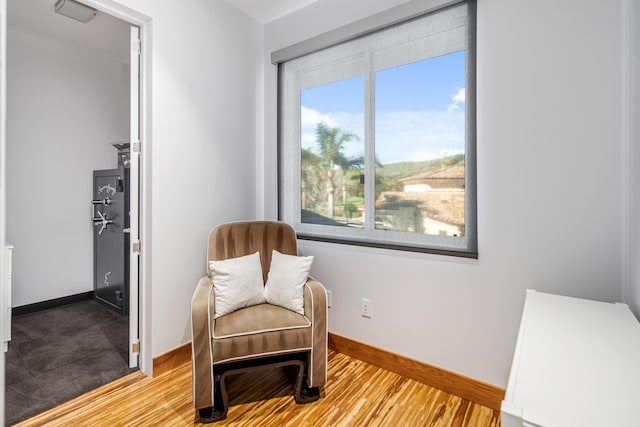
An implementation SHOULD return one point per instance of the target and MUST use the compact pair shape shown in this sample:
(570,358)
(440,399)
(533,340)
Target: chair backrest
(236,239)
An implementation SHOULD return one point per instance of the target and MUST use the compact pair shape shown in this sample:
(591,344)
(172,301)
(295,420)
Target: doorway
(73,104)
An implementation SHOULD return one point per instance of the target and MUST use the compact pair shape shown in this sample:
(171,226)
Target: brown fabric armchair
(257,336)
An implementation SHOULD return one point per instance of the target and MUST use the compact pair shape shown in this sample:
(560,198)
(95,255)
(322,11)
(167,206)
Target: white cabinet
(5,305)
(576,363)
(5,320)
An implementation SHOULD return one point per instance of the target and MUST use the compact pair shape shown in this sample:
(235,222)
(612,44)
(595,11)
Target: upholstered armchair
(263,333)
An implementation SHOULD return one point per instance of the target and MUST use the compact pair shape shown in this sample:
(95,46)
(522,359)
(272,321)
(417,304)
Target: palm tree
(308,161)
(331,142)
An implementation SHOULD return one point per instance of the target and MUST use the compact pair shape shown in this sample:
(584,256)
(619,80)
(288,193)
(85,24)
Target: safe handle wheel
(103,221)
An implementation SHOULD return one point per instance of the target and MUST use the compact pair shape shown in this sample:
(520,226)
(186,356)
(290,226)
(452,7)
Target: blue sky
(419,110)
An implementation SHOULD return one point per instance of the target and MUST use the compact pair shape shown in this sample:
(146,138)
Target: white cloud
(400,135)
(419,135)
(310,117)
(349,122)
(456,99)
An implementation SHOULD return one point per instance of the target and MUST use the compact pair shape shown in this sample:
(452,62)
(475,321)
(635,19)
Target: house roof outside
(447,177)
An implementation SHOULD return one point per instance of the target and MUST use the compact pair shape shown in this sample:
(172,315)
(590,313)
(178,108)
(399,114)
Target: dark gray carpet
(58,354)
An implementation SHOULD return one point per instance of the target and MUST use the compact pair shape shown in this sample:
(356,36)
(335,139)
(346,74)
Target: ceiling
(109,35)
(104,33)
(268,10)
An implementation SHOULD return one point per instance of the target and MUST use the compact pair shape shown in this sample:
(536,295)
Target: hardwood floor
(357,394)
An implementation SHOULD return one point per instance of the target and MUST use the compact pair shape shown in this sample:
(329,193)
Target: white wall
(205,60)
(65,106)
(632,14)
(549,197)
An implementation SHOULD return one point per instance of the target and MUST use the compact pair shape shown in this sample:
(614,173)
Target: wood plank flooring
(357,394)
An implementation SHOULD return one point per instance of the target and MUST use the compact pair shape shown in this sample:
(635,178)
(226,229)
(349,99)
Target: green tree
(331,142)
(308,162)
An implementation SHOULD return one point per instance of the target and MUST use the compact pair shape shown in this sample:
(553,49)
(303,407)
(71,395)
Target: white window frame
(333,57)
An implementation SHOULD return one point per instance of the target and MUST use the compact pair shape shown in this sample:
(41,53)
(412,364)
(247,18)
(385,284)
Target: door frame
(143,22)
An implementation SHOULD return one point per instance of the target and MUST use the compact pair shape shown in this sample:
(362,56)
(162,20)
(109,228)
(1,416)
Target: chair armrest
(202,305)
(315,294)
(315,309)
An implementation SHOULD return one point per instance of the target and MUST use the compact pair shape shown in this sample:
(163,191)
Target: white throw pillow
(237,283)
(286,279)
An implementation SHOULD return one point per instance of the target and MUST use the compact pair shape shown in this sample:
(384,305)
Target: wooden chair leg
(218,412)
(211,415)
(303,393)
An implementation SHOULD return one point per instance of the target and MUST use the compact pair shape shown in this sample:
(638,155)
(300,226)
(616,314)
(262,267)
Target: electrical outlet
(366,308)
(329,299)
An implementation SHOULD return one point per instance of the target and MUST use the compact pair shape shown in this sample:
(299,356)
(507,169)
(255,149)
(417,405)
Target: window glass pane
(420,146)
(332,153)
